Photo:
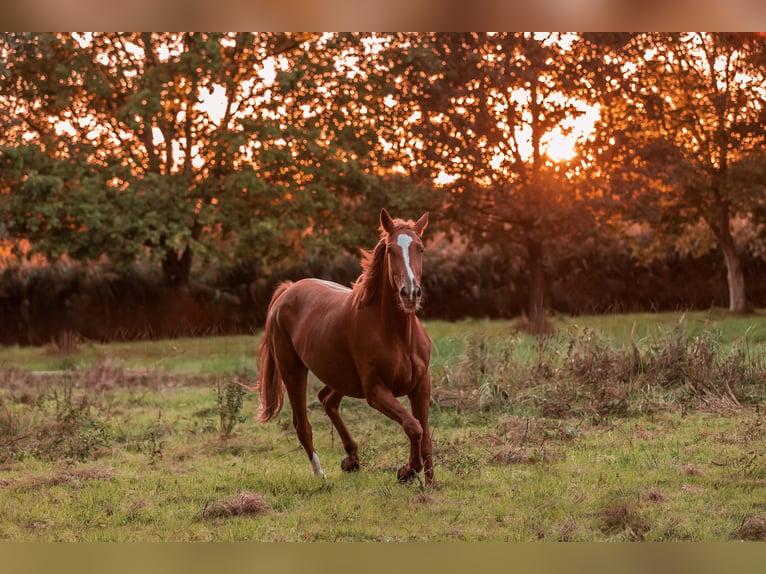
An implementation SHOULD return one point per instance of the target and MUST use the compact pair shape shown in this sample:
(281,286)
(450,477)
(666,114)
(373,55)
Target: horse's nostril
(402,292)
(418,292)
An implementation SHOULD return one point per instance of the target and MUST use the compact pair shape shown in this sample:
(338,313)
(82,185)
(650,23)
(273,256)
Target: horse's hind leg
(294,374)
(330,400)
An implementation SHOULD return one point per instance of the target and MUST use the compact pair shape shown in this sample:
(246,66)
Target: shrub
(62,422)
(77,432)
(229,400)
(580,373)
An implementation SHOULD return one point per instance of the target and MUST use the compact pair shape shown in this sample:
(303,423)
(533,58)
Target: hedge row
(41,304)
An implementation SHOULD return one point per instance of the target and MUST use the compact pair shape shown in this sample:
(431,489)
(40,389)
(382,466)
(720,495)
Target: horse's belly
(329,358)
(338,373)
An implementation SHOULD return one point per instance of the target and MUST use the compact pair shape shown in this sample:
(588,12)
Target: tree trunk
(536,287)
(537,324)
(176,267)
(734,274)
(735,277)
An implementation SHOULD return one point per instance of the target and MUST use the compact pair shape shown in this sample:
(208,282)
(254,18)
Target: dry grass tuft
(752,528)
(65,343)
(243,504)
(425,499)
(523,441)
(74,478)
(85,474)
(519,455)
(655,495)
(568,530)
(622,519)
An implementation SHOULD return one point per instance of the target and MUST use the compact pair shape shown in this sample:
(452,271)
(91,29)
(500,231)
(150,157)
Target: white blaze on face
(404,241)
(316,466)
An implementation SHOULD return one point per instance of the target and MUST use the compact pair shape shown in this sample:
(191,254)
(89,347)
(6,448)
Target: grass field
(616,428)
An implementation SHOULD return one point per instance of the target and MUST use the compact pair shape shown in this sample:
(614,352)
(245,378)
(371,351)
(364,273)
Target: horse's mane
(365,288)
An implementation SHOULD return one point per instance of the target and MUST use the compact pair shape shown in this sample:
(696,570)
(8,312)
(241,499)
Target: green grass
(666,478)
(184,355)
(126,447)
(234,353)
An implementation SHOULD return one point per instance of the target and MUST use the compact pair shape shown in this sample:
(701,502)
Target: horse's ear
(385,221)
(421,224)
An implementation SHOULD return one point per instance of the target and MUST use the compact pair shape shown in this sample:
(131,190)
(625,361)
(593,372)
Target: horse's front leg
(381,398)
(420,399)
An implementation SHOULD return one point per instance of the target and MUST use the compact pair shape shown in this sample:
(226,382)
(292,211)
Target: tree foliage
(182,147)
(163,145)
(487,105)
(684,134)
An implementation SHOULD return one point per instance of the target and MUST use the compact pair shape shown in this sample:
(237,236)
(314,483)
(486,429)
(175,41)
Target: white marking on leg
(404,241)
(316,466)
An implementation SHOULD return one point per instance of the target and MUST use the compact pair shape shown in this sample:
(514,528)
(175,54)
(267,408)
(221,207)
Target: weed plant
(229,399)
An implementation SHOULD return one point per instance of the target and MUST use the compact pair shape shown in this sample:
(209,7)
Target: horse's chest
(401,375)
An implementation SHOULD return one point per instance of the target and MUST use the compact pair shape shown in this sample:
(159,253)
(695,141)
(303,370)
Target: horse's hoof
(349,465)
(405,474)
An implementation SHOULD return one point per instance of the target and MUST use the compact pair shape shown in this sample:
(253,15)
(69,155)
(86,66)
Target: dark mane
(366,286)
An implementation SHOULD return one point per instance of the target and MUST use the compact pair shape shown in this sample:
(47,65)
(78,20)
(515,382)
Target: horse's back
(308,298)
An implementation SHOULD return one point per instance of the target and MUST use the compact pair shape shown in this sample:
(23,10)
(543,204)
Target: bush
(579,373)
(64,303)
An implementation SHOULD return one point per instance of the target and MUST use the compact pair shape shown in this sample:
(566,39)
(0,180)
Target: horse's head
(404,251)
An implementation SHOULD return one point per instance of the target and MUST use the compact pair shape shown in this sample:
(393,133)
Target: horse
(364,342)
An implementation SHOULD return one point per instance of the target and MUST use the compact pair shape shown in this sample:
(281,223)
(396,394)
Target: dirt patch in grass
(74,478)
(752,528)
(103,375)
(526,441)
(243,504)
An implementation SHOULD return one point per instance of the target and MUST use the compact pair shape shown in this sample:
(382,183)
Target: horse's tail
(270,385)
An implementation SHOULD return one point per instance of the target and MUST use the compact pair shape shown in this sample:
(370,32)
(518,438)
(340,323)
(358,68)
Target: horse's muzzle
(410,298)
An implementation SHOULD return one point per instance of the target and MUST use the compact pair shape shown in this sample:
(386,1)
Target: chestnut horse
(365,342)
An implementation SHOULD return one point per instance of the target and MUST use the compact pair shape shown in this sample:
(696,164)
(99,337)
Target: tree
(117,149)
(488,104)
(331,104)
(685,120)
